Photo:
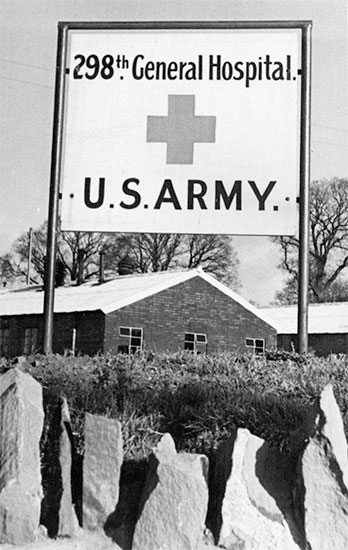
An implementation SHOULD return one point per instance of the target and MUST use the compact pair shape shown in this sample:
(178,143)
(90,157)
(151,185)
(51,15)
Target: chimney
(60,272)
(101,267)
(126,266)
(80,258)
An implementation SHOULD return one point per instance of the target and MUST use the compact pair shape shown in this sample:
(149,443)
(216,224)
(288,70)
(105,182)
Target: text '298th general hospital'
(182,131)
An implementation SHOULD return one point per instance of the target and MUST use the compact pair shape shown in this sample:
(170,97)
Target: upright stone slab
(101,469)
(256,498)
(67,520)
(21,423)
(175,500)
(322,485)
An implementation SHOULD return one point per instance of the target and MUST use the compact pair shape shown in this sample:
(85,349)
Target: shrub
(199,399)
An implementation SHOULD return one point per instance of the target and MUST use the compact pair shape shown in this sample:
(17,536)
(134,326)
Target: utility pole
(30,251)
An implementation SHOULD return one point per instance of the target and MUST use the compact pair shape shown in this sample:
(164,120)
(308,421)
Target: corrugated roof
(326,318)
(110,296)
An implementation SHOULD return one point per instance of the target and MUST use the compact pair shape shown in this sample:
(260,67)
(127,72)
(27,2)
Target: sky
(28,37)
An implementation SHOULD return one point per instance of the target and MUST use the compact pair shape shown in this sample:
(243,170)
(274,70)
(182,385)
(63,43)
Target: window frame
(198,346)
(128,332)
(254,344)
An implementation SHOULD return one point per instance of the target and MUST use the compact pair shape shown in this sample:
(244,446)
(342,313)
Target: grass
(199,399)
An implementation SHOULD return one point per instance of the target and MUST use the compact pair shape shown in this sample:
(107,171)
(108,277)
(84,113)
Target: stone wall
(251,496)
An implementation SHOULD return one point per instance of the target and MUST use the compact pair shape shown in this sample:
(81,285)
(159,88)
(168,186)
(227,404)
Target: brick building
(158,311)
(327,327)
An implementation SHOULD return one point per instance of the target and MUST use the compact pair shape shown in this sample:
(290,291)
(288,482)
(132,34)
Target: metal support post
(304,192)
(54,191)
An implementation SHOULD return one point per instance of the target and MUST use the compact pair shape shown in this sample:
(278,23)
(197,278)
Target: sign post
(52,226)
(303,269)
(183,128)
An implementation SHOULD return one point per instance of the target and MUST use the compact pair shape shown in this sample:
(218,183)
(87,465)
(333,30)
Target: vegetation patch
(199,399)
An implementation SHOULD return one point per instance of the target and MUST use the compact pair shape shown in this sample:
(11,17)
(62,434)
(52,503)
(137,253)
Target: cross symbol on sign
(181,129)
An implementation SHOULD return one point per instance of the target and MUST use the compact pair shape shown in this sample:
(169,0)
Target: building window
(256,344)
(196,342)
(4,341)
(30,340)
(133,339)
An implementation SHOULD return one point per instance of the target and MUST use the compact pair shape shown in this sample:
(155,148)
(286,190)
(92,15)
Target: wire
(26,65)
(26,82)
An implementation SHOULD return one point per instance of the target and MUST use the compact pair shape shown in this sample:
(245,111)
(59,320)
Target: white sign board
(182,130)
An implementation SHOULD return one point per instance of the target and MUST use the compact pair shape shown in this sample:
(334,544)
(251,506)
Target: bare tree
(150,252)
(71,243)
(328,255)
(215,254)
(160,252)
(14,264)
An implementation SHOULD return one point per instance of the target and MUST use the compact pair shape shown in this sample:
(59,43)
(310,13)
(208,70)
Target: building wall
(89,332)
(192,306)
(321,344)
(16,326)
